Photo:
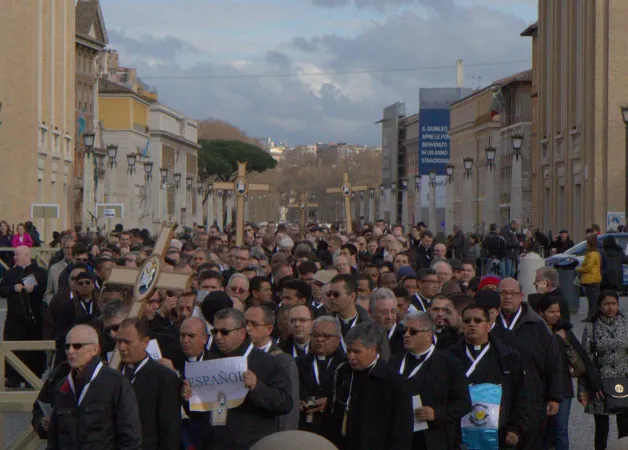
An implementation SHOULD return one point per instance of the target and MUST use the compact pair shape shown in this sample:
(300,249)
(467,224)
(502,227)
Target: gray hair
(549,274)
(329,319)
(204,251)
(368,333)
(440,261)
(423,318)
(235,276)
(115,308)
(258,253)
(231,313)
(381,294)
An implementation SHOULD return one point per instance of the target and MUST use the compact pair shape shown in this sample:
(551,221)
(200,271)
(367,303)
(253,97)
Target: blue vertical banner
(433,140)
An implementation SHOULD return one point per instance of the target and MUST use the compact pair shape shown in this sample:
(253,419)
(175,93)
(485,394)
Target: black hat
(84,276)
(455,264)
(563,231)
(214,302)
(487,298)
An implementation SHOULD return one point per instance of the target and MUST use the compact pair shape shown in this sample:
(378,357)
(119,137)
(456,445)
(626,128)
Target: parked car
(577,251)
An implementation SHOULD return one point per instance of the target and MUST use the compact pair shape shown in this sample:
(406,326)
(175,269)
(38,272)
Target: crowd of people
(375,339)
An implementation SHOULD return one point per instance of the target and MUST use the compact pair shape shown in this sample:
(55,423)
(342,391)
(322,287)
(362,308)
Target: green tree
(219,158)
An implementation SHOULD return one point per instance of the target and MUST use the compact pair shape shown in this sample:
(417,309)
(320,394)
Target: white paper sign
(153,349)
(419,425)
(216,382)
(109,213)
(29,281)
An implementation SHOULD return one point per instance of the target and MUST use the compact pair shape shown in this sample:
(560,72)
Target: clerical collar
(301,346)
(348,321)
(267,347)
(477,348)
(197,358)
(321,357)
(421,355)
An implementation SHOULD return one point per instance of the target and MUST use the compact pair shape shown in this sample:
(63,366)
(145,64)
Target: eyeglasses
(298,320)
(84,283)
(506,294)
(254,324)
(223,331)
(77,345)
(111,328)
(237,290)
(476,320)
(414,332)
(334,294)
(81,259)
(323,336)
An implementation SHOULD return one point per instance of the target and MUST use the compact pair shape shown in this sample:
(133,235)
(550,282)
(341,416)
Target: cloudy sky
(279,67)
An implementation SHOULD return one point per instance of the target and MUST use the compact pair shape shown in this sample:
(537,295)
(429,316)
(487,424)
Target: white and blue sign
(480,426)
(433,141)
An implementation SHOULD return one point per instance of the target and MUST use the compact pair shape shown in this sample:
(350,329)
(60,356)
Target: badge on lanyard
(219,412)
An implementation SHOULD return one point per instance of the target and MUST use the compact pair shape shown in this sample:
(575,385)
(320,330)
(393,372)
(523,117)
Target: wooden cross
(346,189)
(303,205)
(149,278)
(241,187)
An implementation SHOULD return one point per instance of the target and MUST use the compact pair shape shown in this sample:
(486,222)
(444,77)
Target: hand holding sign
(250,379)
(224,378)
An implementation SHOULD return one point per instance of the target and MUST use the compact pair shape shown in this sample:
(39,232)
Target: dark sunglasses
(223,331)
(334,294)
(111,328)
(81,259)
(84,283)
(77,346)
(239,290)
(414,332)
(467,320)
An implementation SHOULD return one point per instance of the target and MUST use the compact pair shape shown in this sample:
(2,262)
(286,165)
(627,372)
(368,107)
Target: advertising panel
(433,140)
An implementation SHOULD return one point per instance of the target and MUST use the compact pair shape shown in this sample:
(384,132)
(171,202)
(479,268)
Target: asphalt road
(581,427)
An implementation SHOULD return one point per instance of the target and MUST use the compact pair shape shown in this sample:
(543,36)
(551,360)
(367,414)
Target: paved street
(580,431)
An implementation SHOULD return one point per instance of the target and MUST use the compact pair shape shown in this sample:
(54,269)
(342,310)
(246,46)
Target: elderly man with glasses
(269,388)
(80,397)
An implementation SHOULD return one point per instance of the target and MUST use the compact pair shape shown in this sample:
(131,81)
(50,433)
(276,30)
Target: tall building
(91,39)
(37,94)
(579,67)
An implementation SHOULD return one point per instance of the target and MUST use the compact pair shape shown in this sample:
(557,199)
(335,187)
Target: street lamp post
(392,203)
(88,142)
(467,204)
(131,159)
(148,176)
(112,153)
(188,183)
(404,204)
(491,152)
(516,208)
(432,222)
(517,143)
(417,198)
(177,179)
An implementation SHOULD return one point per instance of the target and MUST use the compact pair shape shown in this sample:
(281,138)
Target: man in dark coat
(438,379)
(40,419)
(509,233)
(370,407)
(156,388)
(342,295)
(316,372)
(486,359)
(94,406)
(268,384)
(539,351)
(547,282)
(459,244)
(24,286)
(383,310)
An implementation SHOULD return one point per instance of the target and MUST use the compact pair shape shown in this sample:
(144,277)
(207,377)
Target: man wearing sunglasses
(341,298)
(438,379)
(80,305)
(486,360)
(82,396)
(269,388)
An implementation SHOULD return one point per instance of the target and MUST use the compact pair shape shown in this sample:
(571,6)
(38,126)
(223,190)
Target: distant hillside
(219,129)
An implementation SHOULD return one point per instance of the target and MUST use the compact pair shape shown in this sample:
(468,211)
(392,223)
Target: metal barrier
(20,401)
(40,254)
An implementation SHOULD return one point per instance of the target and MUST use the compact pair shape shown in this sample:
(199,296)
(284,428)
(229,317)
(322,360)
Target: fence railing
(40,254)
(20,401)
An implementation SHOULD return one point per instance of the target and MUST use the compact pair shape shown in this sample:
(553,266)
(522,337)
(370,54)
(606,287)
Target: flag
(496,104)
(144,151)
(82,124)
(480,426)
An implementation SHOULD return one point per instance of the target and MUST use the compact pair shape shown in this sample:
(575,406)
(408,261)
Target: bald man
(97,397)
(24,286)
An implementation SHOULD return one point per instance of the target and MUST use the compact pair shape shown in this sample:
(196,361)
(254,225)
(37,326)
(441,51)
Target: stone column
(449,208)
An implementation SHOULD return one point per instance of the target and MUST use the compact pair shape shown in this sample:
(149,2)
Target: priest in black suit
(156,388)
(383,310)
(316,371)
(438,379)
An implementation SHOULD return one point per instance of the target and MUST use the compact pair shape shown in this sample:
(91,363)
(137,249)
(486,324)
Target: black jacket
(396,341)
(107,418)
(512,243)
(257,416)
(424,257)
(22,305)
(68,315)
(460,246)
(380,412)
(539,351)
(612,269)
(157,391)
(502,365)
(309,387)
(442,385)
(494,246)
(288,347)
(446,338)
(45,396)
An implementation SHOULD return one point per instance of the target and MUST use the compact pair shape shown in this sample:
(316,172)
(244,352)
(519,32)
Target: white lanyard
(315,366)
(416,369)
(305,349)
(264,348)
(209,342)
(475,360)
(342,340)
(248,351)
(91,306)
(418,297)
(136,370)
(71,381)
(391,332)
(514,321)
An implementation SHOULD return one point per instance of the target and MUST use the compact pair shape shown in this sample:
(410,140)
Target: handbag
(615,388)
(577,367)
